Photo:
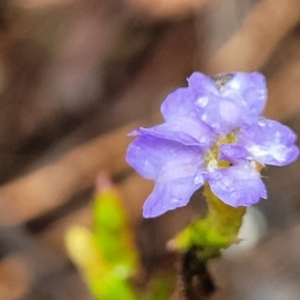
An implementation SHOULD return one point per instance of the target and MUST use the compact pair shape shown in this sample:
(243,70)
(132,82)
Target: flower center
(212,156)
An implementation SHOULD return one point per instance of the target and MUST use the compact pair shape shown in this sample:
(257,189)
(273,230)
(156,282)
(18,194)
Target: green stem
(216,231)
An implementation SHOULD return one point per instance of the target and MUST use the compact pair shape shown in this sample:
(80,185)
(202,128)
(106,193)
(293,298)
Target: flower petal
(270,142)
(220,112)
(154,157)
(177,170)
(183,130)
(225,108)
(238,185)
(168,195)
(200,84)
(233,153)
(182,122)
(178,104)
(251,91)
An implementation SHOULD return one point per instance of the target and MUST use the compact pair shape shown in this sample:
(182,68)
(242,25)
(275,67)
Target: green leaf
(112,230)
(104,280)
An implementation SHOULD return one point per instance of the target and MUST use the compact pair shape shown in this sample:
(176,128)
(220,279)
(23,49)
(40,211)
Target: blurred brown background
(77,76)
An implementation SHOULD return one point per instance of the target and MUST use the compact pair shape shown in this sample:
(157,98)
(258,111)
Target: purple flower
(213,132)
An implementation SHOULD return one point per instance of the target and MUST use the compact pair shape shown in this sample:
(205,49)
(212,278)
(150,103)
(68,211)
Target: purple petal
(219,112)
(178,104)
(270,142)
(251,91)
(154,157)
(177,170)
(200,84)
(182,123)
(185,131)
(238,185)
(168,195)
(222,114)
(240,101)
(233,153)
